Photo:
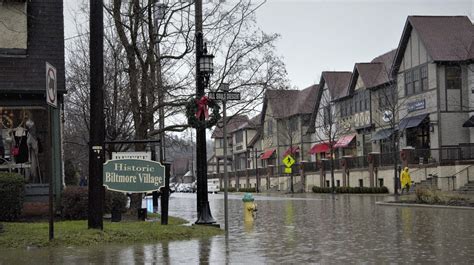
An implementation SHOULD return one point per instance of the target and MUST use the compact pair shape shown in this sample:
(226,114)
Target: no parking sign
(51,86)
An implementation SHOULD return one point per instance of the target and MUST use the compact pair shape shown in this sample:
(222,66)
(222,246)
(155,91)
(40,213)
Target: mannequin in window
(33,149)
(20,135)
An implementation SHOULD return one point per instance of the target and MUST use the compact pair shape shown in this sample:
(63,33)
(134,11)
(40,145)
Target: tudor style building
(433,66)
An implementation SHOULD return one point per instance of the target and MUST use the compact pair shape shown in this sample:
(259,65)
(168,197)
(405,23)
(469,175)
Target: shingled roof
(287,103)
(337,83)
(253,123)
(446,38)
(233,123)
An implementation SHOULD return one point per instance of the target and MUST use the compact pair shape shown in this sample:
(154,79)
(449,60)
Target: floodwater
(305,228)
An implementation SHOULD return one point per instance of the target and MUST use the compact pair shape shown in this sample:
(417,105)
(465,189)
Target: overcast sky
(319,35)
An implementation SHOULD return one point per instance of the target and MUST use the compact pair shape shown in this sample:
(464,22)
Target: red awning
(291,150)
(267,154)
(344,141)
(319,148)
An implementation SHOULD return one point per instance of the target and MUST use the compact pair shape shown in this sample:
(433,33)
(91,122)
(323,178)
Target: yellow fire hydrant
(249,207)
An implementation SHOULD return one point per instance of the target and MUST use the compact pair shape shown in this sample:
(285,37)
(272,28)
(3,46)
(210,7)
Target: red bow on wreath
(202,108)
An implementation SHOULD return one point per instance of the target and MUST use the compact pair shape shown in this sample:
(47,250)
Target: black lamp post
(204,68)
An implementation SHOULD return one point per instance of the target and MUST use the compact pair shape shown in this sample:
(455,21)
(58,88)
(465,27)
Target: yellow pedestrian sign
(287,170)
(288,161)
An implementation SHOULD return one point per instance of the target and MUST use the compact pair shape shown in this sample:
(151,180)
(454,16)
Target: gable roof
(233,122)
(337,83)
(446,38)
(287,103)
(253,123)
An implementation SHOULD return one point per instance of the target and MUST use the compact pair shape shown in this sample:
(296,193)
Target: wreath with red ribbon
(197,112)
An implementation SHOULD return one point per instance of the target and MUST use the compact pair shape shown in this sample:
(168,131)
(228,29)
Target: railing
(418,156)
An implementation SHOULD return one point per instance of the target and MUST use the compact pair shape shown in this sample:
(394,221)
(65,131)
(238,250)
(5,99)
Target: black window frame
(453,82)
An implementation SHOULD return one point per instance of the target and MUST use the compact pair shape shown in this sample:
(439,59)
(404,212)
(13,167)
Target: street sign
(133,175)
(51,86)
(287,170)
(224,95)
(288,161)
(131,155)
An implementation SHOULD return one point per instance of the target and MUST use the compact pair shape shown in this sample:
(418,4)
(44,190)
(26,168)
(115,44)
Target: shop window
(328,183)
(338,183)
(13,28)
(361,183)
(453,77)
(23,134)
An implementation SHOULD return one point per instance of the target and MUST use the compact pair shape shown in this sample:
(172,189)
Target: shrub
(247,190)
(74,203)
(115,201)
(351,189)
(12,189)
(229,189)
(429,196)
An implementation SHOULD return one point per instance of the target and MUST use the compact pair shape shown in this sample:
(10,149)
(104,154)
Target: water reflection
(291,229)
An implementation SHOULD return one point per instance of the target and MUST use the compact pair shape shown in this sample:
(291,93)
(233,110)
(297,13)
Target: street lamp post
(203,70)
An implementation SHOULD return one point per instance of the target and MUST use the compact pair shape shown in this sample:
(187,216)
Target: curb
(424,205)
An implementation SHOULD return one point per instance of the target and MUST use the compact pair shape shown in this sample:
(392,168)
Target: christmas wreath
(197,108)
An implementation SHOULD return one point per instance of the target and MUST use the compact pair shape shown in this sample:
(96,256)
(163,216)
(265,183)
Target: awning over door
(382,134)
(267,154)
(411,122)
(291,150)
(469,122)
(344,141)
(319,148)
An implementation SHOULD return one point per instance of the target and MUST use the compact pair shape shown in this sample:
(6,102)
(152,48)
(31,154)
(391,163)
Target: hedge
(74,202)
(229,189)
(12,189)
(351,189)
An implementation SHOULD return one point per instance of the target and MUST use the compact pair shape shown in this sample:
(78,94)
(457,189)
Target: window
(327,115)
(453,77)
(219,142)
(239,136)
(361,183)
(293,124)
(24,134)
(408,83)
(367,100)
(13,27)
(424,77)
(416,80)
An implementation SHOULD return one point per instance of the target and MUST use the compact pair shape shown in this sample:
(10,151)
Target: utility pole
(203,209)
(97,126)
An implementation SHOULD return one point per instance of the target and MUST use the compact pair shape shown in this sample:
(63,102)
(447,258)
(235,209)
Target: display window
(23,135)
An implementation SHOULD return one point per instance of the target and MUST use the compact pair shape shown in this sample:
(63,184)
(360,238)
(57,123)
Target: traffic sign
(287,170)
(51,86)
(224,95)
(288,161)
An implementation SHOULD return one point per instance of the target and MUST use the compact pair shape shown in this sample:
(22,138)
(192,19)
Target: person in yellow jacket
(405,179)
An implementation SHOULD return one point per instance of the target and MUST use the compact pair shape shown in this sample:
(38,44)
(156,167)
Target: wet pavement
(305,228)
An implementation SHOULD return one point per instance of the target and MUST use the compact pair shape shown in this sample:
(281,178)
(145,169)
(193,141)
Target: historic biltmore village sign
(133,175)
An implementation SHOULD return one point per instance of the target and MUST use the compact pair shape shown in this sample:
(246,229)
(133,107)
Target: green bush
(74,203)
(12,190)
(351,189)
(115,201)
(247,190)
(229,189)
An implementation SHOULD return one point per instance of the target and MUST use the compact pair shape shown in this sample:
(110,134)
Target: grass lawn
(75,233)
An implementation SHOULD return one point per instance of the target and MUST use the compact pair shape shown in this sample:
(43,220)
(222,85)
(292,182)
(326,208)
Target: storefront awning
(267,154)
(411,122)
(319,148)
(469,122)
(344,141)
(291,150)
(382,134)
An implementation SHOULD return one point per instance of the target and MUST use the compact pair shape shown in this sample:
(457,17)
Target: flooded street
(305,228)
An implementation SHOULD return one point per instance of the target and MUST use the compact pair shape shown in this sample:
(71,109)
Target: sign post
(225,95)
(52,102)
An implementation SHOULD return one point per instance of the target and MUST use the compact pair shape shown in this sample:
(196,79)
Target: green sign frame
(133,175)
